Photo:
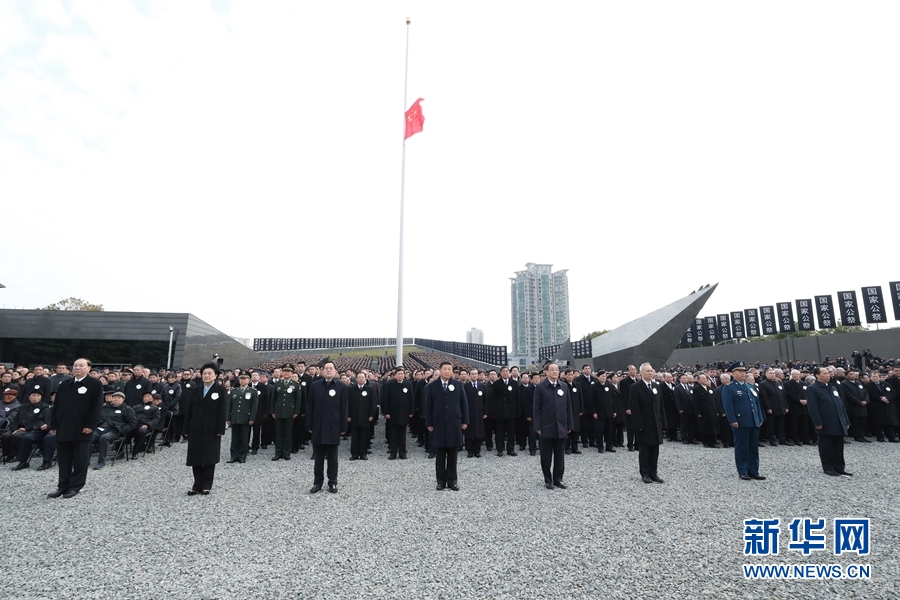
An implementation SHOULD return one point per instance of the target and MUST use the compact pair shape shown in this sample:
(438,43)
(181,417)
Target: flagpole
(402,189)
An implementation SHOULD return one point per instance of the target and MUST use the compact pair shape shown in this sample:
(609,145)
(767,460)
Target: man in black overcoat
(649,420)
(326,421)
(75,414)
(553,422)
(474,434)
(398,407)
(446,417)
(856,401)
(362,406)
(829,416)
(504,407)
(684,400)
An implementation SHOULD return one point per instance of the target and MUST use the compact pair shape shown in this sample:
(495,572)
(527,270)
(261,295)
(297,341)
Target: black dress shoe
(20,466)
(512,453)
(532,452)
(656,479)
(646,479)
(354,457)
(842,472)
(832,473)
(315,488)
(631,448)
(99,466)
(192,492)
(364,457)
(568,451)
(44,466)
(453,486)
(253,452)
(286,457)
(56,494)
(576,451)
(559,484)
(332,488)
(204,492)
(276,457)
(392,457)
(232,461)
(500,453)
(758,477)
(788,443)
(431,455)
(70,494)
(549,485)
(610,449)
(440,486)
(745,477)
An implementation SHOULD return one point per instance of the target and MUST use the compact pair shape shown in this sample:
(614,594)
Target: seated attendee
(10,408)
(26,430)
(116,420)
(146,418)
(160,403)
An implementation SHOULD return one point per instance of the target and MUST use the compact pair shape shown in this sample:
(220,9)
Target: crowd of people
(270,405)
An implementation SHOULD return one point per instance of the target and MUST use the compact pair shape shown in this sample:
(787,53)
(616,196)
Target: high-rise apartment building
(540,309)
(474,336)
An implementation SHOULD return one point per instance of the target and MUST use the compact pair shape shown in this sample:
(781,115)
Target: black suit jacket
(647,413)
(77,407)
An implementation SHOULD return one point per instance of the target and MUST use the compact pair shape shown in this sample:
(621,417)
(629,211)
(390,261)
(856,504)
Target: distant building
(474,336)
(540,309)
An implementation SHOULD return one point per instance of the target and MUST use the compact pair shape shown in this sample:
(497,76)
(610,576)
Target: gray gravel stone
(133,532)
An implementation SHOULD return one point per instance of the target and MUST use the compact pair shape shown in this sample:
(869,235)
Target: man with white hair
(649,420)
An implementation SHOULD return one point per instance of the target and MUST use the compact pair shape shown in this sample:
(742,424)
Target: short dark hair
(211,365)
(817,370)
(446,362)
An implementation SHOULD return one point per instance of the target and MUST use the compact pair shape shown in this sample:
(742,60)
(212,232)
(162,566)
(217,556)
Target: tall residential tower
(540,309)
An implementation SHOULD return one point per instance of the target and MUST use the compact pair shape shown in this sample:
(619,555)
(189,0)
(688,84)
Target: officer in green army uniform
(288,404)
(119,384)
(242,404)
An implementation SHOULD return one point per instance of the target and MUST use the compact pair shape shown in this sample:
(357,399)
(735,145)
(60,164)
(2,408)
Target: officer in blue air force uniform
(741,404)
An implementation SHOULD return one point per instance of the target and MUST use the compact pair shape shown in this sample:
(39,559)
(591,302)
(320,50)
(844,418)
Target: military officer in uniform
(287,407)
(243,403)
(741,405)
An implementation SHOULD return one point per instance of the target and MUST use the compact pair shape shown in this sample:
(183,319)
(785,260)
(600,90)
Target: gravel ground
(133,533)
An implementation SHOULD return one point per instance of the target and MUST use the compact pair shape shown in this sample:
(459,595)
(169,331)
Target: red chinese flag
(414,119)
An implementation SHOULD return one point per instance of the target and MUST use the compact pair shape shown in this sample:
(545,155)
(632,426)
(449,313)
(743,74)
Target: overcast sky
(241,160)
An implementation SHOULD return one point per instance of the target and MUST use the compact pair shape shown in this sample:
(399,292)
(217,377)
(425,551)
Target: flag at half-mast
(414,119)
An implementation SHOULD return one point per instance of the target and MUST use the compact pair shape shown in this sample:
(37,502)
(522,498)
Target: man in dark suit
(684,394)
(504,407)
(39,383)
(856,400)
(625,388)
(446,417)
(75,414)
(475,396)
(603,411)
(829,417)
(398,407)
(362,406)
(553,421)
(774,403)
(586,381)
(326,421)
(649,420)
(798,416)
(263,425)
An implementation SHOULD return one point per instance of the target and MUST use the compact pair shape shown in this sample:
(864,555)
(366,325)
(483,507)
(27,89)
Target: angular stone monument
(651,338)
